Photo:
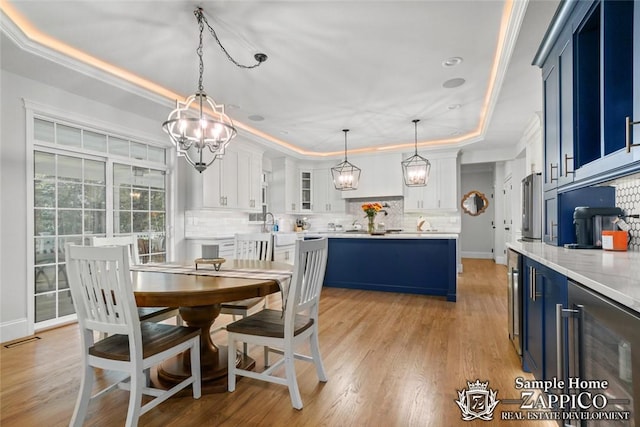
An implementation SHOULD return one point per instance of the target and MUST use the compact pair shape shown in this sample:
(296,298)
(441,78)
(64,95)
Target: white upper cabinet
(234,181)
(441,192)
(325,196)
(249,180)
(284,187)
(381,176)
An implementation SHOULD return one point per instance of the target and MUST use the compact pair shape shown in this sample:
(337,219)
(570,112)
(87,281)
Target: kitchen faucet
(264,222)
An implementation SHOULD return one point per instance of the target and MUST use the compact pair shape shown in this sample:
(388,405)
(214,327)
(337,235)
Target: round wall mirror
(474,203)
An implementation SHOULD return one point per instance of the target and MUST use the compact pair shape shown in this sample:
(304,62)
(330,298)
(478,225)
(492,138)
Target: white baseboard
(480,255)
(501,260)
(13,330)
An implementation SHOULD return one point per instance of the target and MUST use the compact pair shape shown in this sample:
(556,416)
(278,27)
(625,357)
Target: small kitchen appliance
(590,222)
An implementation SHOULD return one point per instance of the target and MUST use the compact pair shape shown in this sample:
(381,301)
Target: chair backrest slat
(101,287)
(258,246)
(309,267)
(131,241)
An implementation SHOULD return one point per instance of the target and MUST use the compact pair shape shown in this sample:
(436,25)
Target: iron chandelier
(199,127)
(346,176)
(416,169)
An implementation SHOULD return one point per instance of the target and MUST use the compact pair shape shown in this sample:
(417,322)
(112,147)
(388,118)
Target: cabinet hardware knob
(566,166)
(627,134)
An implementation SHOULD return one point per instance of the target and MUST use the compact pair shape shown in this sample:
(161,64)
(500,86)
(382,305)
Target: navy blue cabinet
(555,293)
(543,290)
(550,84)
(533,317)
(591,87)
(605,53)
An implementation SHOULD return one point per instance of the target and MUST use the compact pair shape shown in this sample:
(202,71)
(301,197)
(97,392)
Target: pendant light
(199,127)
(416,169)
(346,176)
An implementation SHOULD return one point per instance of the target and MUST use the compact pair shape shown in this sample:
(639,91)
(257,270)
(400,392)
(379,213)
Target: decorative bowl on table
(216,262)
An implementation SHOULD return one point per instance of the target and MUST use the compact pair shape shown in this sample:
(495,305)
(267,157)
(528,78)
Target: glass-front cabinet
(305,191)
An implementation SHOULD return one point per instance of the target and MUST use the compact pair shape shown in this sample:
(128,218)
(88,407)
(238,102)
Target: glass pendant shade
(416,169)
(346,176)
(199,136)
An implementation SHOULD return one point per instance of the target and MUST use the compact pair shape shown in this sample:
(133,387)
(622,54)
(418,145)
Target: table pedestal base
(213,359)
(172,372)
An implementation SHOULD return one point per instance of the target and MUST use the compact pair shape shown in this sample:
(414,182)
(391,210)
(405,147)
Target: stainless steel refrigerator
(532,207)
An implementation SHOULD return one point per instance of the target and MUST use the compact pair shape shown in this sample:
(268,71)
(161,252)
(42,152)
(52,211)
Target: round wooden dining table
(199,298)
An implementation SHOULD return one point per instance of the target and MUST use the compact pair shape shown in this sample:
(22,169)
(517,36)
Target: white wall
(499,248)
(14,286)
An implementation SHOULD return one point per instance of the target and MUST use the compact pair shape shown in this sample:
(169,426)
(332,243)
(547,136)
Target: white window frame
(35,110)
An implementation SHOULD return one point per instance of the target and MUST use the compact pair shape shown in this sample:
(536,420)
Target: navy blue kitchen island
(394,263)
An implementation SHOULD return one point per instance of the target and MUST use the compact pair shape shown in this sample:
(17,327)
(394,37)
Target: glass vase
(371,225)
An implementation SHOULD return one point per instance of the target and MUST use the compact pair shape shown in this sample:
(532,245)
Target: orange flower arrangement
(371,209)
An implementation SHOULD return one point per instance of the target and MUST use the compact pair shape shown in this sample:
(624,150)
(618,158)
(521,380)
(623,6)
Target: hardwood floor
(392,360)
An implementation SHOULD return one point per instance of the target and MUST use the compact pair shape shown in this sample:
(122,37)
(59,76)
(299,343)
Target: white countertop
(613,274)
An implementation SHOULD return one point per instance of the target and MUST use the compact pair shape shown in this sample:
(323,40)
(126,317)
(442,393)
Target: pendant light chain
(415,126)
(259,57)
(345,143)
(200,17)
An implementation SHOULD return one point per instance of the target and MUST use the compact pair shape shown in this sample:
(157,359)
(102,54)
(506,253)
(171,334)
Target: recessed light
(454,106)
(256,118)
(451,62)
(451,83)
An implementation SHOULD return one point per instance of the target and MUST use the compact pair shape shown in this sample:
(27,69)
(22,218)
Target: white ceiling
(370,66)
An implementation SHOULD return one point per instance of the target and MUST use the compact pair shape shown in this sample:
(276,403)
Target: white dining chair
(256,246)
(146,314)
(282,332)
(102,293)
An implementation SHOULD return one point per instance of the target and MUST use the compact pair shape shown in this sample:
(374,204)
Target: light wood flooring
(392,360)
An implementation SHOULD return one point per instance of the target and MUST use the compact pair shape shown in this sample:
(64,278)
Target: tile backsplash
(628,199)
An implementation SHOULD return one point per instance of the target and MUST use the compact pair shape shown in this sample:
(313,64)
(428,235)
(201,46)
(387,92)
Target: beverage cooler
(603,344)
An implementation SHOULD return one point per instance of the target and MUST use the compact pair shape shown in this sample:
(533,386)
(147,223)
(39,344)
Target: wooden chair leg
(135,398)
(292,381)
(317,360)
(231,365)
(84,396)
(197,378)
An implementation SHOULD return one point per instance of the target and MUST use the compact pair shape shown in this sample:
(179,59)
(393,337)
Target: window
(139,207)
(69,206)
(75,170)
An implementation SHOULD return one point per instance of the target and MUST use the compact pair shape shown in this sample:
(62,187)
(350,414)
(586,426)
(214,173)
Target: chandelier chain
(345,143)
(415,126)
(203,20)
(199,52)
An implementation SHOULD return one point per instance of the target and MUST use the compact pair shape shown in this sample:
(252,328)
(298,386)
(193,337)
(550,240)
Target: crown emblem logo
(477,386)
(477,401)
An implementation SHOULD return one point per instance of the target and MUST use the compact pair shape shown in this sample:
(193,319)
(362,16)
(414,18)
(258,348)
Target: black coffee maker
(589,223)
